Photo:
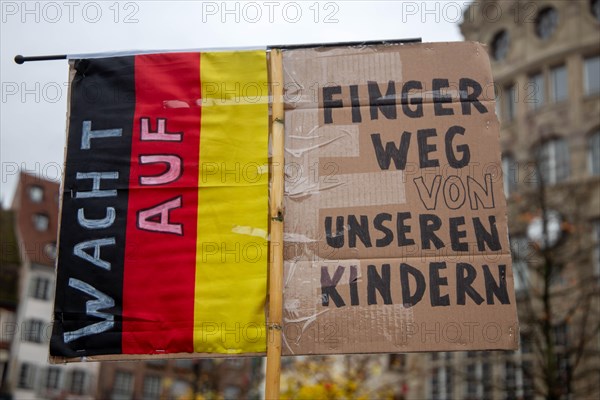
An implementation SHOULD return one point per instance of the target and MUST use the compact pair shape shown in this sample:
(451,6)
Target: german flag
(164,217)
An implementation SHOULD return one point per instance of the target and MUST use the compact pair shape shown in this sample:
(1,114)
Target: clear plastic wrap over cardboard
(395,218)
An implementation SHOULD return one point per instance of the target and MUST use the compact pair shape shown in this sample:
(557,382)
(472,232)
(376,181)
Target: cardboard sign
(395,223)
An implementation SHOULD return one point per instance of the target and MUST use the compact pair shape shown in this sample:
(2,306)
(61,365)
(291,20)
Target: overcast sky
(34,95)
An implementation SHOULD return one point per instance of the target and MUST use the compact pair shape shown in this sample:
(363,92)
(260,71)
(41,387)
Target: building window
(40,222)
(595,8)
(510,379)
(510,102)
(536,91)
(33,331)
(500,44)
(40,288)
(478,376)
(52,380)
(553,161)
(26,376)
(560,335)
(486,377)
(509,174)
(449,383)
(564,370)
(157,363)
(472,382)
(526,372)
(497,101)
(435,384)
(152,387)
(235,362)
(184,364)
(546,22)
(591,75)
(596,249)
(563,365)
(526,343)
(441,383)
(560,87)
(232,392)
(36,193)
(123,386)
(528,388)
(78,381)
(594,155)
(519,247)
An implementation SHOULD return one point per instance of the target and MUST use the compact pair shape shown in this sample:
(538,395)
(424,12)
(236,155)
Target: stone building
(546,63)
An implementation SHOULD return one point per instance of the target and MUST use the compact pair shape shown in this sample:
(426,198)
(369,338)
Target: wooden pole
(274,324)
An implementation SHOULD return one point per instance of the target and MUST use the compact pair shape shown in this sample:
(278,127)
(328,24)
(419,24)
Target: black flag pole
(19,59)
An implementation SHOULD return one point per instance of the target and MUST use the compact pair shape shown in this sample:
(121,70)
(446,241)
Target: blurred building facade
(29,376)
(10,262)
(545,59)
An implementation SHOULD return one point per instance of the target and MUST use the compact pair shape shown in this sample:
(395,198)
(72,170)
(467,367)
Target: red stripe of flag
(160,254)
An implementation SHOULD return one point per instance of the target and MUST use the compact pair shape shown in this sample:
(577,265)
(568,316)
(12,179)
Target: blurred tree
(556,285)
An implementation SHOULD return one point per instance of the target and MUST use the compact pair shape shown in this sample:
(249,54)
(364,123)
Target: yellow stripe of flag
(231,256)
